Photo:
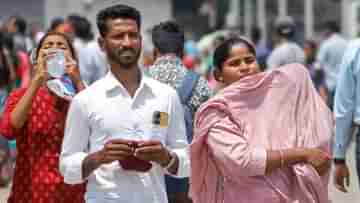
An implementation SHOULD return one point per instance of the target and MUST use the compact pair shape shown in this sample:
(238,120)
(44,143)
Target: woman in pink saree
(265,137)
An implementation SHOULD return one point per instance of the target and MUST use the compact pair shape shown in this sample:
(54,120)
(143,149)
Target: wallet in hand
(135,164)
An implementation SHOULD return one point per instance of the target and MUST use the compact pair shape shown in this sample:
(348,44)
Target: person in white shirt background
(125,131)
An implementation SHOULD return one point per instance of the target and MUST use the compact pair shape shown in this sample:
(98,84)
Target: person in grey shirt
(286,50)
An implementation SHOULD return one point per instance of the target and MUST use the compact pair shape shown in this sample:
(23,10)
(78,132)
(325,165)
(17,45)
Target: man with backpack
(193,90)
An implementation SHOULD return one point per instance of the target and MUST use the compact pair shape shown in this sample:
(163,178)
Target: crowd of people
(120,119)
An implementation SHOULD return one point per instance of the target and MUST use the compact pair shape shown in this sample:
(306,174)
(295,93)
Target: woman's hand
(72,69)
(319,159)
(41,75)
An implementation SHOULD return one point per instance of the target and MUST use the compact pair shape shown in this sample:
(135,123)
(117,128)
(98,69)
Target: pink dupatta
(281,109)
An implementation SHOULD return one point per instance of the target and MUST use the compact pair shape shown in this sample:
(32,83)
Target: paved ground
(337,197)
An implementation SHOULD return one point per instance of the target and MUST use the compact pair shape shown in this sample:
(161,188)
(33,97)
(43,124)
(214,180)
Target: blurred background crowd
(312,32)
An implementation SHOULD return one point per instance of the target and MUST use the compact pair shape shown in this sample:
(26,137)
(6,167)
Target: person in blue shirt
(329,56)
(347,113)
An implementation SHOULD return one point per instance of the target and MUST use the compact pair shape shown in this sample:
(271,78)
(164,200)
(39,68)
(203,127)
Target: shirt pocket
(155,132)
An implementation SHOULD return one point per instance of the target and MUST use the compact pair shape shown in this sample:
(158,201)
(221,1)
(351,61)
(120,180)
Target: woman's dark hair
(168,37)
(71,46)
(117,11)
(4,67)
(223,50)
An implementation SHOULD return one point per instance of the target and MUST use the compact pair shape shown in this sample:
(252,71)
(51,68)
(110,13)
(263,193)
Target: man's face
(122,42)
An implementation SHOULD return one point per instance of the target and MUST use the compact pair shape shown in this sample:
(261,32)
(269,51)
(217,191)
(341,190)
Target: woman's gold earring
(221,79)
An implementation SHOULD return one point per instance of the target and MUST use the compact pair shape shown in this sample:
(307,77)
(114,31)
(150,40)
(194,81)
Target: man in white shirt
(124,132)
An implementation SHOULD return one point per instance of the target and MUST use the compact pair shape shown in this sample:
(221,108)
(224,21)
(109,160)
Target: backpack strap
(187,86)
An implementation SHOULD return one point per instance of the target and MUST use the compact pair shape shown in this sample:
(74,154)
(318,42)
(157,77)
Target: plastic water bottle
(56,64)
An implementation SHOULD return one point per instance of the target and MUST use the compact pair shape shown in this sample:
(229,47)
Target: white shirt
(104,111)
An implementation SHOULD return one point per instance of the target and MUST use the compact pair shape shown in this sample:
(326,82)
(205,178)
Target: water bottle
(56,64)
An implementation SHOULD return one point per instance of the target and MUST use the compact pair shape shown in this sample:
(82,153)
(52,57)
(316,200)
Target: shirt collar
(167,58)
(112,83)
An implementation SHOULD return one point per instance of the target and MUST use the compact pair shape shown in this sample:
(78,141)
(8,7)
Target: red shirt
(37,178)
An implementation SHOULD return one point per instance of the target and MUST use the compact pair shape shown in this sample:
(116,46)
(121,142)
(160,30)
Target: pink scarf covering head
(282,110)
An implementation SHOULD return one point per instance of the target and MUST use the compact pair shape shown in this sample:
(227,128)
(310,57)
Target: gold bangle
(171,162)
(282,161)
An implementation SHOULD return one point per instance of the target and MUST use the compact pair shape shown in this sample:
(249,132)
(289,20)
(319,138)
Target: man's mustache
(121,51)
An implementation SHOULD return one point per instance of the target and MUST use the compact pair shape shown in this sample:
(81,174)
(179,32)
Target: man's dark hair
(255,34)
(20,24)
(331,26)
(117,11)
(82,27)
(168,37)
(55,22)
(285,27)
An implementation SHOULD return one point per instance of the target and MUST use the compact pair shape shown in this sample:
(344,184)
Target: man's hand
(114,150)
(341,176)
(153,151)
